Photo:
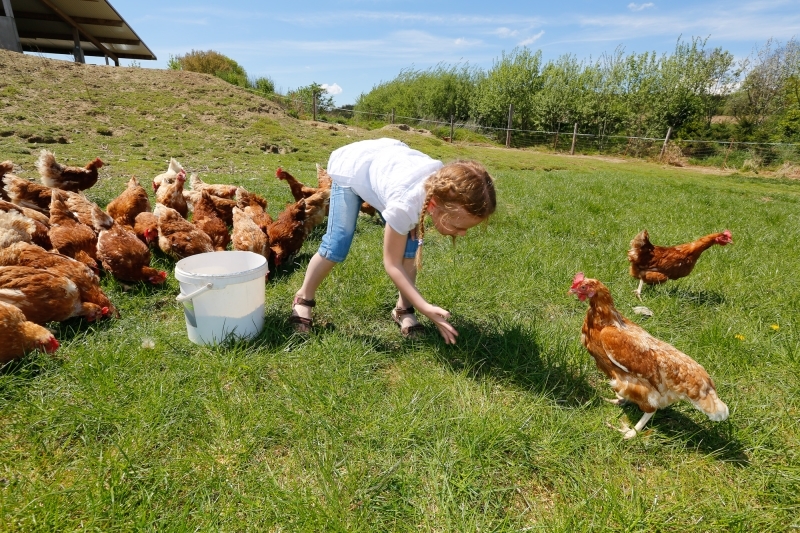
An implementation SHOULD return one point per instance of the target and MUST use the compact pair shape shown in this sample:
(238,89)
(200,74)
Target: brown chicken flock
(55,242)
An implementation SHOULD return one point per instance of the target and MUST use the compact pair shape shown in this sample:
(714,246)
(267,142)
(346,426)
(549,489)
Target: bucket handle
(183,297)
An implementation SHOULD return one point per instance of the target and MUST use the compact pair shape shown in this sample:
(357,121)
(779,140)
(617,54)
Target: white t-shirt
(386,174)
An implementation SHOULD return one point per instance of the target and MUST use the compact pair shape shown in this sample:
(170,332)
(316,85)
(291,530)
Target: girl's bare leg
(318,269)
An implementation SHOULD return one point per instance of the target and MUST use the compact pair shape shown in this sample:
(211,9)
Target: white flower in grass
(148,343)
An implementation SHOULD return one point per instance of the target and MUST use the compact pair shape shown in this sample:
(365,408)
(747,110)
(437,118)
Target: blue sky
(351,45)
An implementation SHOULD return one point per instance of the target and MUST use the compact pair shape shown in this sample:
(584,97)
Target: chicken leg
(638,292)
(628,432)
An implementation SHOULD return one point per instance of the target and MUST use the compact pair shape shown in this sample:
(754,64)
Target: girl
(405,185)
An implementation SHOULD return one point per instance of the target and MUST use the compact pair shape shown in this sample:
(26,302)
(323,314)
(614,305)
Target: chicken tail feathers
(49,168)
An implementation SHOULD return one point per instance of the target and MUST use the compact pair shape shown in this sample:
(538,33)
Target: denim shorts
(342,217)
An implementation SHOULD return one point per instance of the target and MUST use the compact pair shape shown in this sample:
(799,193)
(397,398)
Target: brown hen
(44,296)
(287,233)
(179,238)
(126,257)
(64,177)
(643,370)
(19,336)
(85,279)
(657,264)
(206,218)
(132,201)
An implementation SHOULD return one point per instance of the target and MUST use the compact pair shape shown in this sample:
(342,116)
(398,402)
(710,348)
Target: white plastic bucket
(222,295)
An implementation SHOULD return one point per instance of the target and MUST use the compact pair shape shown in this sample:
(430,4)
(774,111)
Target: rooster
(169,176)
(287,233)
(19,336)
(30,255)
(58,176)
(132,201)
(657,264)
(643,370)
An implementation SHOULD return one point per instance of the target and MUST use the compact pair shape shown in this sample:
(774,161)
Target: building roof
(46,26)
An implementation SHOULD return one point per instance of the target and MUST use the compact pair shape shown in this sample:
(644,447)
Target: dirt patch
(788,170)
(406,128)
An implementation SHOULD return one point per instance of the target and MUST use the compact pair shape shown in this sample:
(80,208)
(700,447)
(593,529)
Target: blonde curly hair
(461,184)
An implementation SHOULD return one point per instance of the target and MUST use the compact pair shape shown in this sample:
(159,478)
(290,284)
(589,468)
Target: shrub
(264,85)
(209,62)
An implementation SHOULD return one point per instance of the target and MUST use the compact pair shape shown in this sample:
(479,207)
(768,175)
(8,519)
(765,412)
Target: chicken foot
(619,401)
(628,432)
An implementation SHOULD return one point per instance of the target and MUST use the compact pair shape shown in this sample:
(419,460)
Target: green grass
(354,429)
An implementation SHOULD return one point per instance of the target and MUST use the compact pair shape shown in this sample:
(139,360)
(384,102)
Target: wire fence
(784,158)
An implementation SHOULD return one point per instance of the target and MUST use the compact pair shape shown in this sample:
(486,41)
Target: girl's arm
(394,245)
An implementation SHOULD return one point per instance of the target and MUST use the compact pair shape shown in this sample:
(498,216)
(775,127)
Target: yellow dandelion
(776,327)
(739,336)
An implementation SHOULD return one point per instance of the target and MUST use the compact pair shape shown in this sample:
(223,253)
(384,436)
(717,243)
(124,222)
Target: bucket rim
(186,275)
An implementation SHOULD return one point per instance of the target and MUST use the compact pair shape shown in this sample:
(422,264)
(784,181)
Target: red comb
(577,280)
(104,311)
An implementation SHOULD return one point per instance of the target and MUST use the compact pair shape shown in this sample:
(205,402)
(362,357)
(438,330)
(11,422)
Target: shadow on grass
(76,327)
(509,354)
(701,298)
(709,438)
(512,353)
(297,262)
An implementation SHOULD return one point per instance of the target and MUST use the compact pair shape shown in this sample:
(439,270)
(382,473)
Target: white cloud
(639,7)
(332,89)
(505,32)
(531,40)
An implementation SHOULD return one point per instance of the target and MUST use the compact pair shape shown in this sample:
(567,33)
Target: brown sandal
(301,324)
(411,332)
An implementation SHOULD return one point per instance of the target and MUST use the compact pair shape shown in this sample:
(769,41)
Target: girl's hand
(439,317)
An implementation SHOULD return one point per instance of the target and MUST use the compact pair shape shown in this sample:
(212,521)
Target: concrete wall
(9,39)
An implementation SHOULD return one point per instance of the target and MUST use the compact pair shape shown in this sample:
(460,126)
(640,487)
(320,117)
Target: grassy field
(132,427)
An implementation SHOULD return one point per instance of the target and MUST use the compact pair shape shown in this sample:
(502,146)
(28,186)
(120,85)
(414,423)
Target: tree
(302,98)
(514,79)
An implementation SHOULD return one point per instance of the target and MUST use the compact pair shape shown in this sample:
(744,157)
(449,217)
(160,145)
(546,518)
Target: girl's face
(452,223)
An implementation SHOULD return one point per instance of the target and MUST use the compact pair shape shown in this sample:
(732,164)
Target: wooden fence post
(451,127)
(666,140)
(508,131)
(574,138)
(392,115)
(315,107)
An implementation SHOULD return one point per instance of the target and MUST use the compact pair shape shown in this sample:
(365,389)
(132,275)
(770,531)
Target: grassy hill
(131,426)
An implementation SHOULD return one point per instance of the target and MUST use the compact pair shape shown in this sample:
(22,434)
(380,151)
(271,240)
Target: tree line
(636,94)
